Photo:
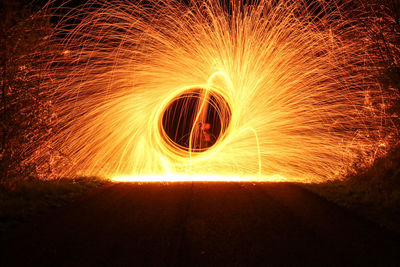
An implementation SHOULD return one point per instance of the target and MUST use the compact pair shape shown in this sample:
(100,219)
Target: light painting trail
(272,90)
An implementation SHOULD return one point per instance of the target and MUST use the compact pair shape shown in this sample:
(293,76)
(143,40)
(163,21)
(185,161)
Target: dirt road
(200,224)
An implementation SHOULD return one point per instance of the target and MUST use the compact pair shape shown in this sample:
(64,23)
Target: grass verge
(373,193)
(376,204)
(22,199)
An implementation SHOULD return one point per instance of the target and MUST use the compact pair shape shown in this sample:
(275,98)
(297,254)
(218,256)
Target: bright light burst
(202,90)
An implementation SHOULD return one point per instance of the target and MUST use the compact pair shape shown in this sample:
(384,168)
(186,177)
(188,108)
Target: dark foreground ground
(200,224)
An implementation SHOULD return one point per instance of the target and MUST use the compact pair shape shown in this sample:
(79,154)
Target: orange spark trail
(208,91)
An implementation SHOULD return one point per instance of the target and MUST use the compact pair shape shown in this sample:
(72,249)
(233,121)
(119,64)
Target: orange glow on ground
(198,178)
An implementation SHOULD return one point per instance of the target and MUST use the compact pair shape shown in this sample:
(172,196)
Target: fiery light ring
(166,145)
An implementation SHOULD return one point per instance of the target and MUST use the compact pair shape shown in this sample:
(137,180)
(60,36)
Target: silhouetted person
(205,135)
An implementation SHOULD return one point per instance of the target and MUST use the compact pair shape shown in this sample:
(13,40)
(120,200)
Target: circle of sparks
(294,90)
(194,121)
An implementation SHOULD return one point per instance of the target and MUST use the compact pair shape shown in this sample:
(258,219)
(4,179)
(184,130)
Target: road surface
(199,224)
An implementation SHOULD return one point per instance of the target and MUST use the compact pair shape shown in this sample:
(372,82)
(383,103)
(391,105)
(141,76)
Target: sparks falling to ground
(221,91)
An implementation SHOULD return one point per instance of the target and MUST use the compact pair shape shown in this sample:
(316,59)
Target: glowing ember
(168,91)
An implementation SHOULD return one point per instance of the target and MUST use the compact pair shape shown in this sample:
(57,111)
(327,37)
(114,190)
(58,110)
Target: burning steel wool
(210,90)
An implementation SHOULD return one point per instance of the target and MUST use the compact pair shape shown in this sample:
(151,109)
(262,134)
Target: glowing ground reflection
(198,178)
